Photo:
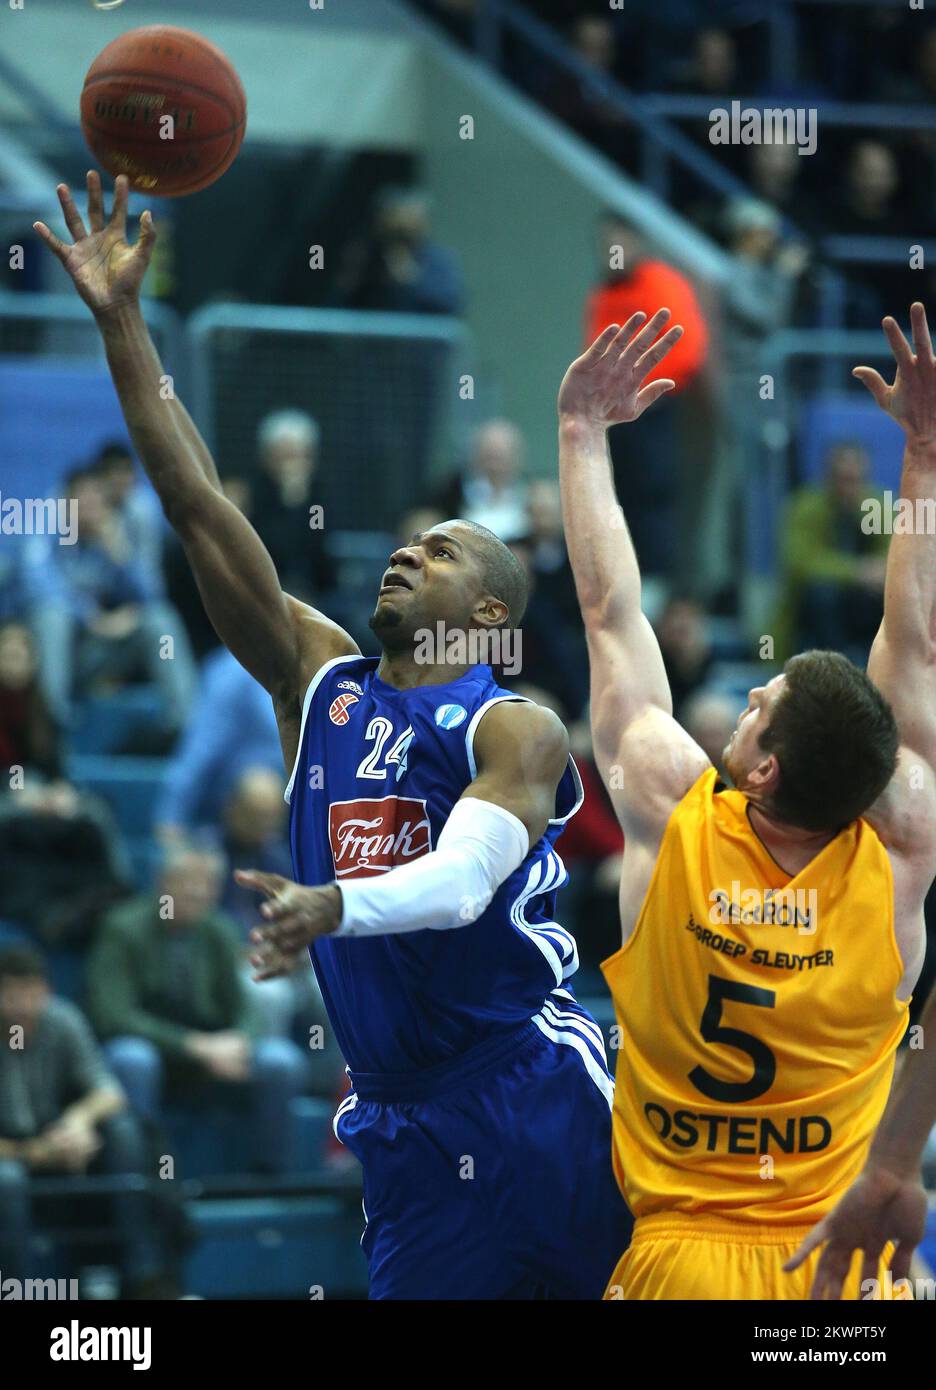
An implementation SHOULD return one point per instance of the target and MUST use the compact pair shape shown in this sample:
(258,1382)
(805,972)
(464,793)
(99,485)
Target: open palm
(605,385)
(106,270)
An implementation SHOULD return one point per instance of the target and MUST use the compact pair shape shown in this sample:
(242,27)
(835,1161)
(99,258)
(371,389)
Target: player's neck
(402,670)
(791,847)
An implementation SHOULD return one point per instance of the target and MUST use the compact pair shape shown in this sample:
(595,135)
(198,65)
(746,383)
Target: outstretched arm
(279,645)
(521,751)
(887,1202)
(648,762)
(903,659)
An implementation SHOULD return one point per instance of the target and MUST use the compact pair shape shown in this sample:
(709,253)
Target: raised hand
(107,271)
(911,400)
(603,386)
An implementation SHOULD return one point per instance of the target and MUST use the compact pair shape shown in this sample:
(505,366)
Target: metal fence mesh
(382,388)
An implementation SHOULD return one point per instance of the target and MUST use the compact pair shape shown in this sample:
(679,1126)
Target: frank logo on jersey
(372,835)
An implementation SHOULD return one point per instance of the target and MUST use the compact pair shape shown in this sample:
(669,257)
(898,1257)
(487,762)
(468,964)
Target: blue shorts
(491,1178)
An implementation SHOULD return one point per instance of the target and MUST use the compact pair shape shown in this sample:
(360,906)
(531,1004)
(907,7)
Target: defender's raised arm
(647,760)
(275,638)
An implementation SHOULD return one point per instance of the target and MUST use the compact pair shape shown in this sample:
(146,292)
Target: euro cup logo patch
(338,710)
(373,834)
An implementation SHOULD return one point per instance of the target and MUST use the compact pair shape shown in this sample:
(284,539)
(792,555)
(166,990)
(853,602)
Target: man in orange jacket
(646,459)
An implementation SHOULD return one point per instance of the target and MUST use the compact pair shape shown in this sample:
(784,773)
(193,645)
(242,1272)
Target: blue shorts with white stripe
(490,1177)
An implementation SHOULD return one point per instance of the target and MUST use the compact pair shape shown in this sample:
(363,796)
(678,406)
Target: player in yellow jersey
(772,930)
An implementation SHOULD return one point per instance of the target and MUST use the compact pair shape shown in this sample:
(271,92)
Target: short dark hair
(21,962)
(114,451)
(835,738)
(503,573)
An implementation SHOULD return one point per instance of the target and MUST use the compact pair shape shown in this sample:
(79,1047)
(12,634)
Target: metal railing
(383,387)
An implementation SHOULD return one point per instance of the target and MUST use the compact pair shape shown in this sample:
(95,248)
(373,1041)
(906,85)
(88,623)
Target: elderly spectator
(63,1112)
(232,727)
(710,717)
(286,506)
(549,560)
(833,565)
(491,489)
(102,623)
(165,991)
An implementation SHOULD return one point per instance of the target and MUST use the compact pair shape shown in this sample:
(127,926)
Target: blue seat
(836,418)
(129,786)
(105,723)
(276,1248)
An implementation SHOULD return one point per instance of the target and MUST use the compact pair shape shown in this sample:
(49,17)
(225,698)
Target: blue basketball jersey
(377,773)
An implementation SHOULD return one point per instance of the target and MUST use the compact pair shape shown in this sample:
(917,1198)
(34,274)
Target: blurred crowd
(131,977)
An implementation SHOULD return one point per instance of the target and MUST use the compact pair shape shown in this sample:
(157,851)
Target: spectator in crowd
(165,991)
(685,647)
(181,589)
(135,503)
(29,738)
(491,490)
(549,560)
(287,510)
(759,300)
(547,653)
(255,836)
(397,266)
(63,1112)
(62,862)
(582,102)
(646,453)
(712,68)
(870,200)
(833,565)
(776,174)
(101,624)
(710,717)
(231,728)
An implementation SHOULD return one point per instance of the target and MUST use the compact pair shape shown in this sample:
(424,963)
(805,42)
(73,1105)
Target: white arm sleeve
(480,846)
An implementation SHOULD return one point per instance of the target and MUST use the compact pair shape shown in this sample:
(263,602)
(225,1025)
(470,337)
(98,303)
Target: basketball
(165,107)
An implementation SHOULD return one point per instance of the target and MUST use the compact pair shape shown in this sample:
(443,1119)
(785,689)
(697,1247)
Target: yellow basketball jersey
(757,1018)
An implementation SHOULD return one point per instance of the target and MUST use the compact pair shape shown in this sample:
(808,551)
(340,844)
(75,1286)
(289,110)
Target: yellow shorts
(673,1257)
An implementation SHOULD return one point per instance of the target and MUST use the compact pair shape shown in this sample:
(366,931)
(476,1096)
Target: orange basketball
(165,107)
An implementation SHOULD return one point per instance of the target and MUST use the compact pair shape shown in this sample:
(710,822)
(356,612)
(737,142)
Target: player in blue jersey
(425,802)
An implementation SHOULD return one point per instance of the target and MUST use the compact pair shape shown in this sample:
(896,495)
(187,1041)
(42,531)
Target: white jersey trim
(314,684)
(575,1040)
(473,766)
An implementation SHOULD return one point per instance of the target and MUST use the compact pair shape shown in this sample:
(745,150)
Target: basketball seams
(182,37)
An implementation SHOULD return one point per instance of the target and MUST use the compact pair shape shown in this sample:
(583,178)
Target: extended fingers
(899,345)
(51,240)
(72,216)
(632,346)
(658,350)
(95,201)
(922,342)
(259,881)
(118,217)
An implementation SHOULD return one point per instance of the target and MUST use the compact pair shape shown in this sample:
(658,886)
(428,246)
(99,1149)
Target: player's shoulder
(319,640)
(522,723)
